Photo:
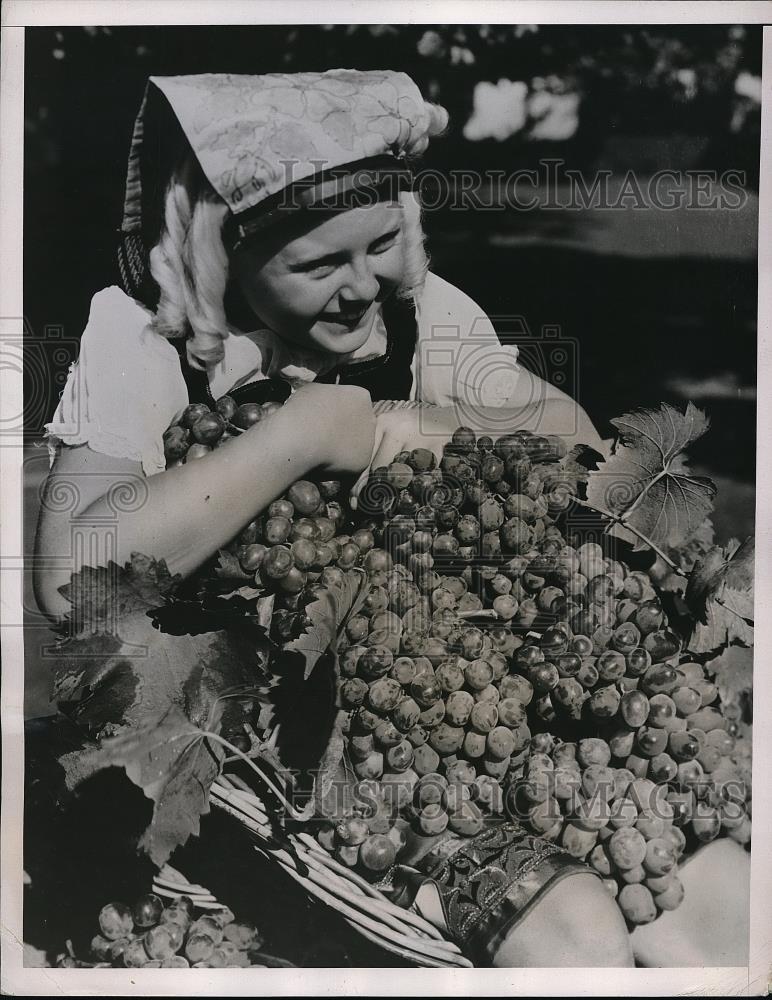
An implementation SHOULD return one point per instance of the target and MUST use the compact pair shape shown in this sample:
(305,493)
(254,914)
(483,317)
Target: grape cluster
(632,830)
(199,430)
(151,936)
(498,663)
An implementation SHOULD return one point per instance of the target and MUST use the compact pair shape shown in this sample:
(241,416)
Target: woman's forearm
(190,511)
(182,515)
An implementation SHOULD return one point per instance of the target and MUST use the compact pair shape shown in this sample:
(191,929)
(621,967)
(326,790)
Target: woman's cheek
(305,299)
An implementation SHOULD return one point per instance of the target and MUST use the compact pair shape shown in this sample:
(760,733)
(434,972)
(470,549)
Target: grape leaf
(327,614)
(687,555)
(733,669)
(120,667)
(720,596)
(646,483)
(174,762)
(229,568)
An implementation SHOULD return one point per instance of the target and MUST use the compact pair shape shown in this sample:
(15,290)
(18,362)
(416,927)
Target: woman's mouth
(350,320)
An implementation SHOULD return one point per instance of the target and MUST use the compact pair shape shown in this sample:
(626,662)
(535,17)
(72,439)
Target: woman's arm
(185,514)
(549,411)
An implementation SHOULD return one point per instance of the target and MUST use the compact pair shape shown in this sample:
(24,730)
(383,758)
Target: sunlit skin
(322,288)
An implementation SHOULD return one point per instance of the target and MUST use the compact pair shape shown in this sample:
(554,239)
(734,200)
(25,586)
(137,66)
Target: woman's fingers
(380,434)
(386,449)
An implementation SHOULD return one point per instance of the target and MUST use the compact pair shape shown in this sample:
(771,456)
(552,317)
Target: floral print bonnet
(260,138)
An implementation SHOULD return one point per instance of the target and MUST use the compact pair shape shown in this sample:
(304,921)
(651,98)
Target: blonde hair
(190,263)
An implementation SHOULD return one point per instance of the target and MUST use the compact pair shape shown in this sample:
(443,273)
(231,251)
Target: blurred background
(655,304)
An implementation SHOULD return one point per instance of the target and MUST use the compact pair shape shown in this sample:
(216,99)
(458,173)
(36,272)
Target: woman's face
(320,284)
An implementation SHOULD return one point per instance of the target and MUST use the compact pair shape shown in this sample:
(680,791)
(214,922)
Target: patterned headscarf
(268,144)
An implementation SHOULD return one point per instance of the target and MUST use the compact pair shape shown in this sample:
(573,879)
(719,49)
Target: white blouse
(127,386)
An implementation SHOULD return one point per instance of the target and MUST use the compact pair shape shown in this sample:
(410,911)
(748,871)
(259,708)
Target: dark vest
(386,377)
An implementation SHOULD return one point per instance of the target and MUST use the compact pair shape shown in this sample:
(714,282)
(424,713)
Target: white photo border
(20,981)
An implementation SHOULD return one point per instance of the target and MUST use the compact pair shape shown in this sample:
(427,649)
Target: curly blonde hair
(190,263)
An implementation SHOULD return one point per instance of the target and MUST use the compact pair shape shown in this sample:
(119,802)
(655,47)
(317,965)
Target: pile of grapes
(499,664)
(151,936)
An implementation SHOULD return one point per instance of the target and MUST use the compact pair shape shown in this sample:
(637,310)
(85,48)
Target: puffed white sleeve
(125,388)
(459,359)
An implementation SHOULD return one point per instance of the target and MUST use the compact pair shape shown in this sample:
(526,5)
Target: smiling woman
(273,260)
(322,288)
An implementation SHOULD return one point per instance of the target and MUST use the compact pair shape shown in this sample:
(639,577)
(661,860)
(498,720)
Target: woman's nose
(361,285)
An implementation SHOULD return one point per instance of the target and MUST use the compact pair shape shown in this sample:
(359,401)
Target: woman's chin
(336,339)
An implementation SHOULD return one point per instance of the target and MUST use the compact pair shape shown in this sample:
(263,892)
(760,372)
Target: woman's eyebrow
(326,258)
(337,255)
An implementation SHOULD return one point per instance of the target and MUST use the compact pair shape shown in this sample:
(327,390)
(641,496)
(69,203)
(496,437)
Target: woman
(286,256)
(287,249)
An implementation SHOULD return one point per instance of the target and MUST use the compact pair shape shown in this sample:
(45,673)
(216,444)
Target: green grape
(370,767)
(660,858)
(578,842)
(604,702)
(446,739)
(637,904)
(627,847)
(672,897)
(161,942)
(432,819)
(387,735)
(134,955)
(624,814)
(593,751)
(115,921)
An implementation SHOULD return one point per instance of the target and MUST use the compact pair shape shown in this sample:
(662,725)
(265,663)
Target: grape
(450,675)
(134,954)
(458,707)
(593,751)
(637,904)
(663,768)
(376,662)
(671,897)
(466,819)
(660,858)
(500,743)
(706,822)
(370,767)
(446,739)
(192,413)
(478,674)
(659,679)
(605,701)
(161,942)
(100,947)
(176,442)
(147,911)
(627,847)
(400,757)
(304,497)
(115,921)
(578,842)
(650,741)
(433,819)
(706,719)
(175,962)
(387,735)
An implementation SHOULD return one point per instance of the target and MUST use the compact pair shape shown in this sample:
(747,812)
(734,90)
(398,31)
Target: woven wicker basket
(363,906)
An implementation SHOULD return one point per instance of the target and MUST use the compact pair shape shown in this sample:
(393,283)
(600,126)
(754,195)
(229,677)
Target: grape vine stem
(616,519)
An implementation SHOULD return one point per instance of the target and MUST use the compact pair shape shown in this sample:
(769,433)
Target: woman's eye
(319,270)
(382,245)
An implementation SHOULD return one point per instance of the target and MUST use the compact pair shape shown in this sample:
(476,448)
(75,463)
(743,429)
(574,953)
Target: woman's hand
(338,424)
(432,427)
(404,429)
